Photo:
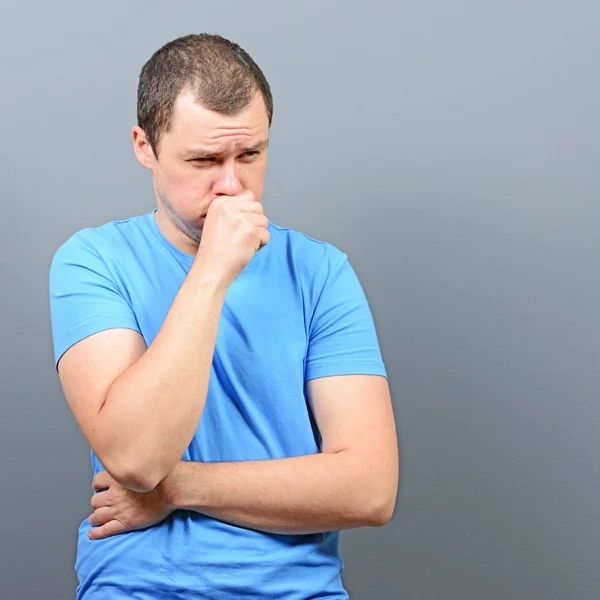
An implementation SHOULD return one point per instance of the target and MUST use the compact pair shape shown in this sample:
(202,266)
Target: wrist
(181,488)
(171,485)
(209,277)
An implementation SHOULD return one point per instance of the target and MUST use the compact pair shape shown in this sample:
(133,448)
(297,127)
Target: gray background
(451,148)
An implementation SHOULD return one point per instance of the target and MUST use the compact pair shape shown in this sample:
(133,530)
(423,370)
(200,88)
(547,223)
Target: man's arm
(139,408)
(353,482)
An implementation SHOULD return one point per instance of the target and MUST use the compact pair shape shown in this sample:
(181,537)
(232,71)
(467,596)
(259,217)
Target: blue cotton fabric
(295,313)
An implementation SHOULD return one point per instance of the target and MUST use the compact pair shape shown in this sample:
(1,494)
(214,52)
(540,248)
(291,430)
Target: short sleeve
(342,339)
(84,299)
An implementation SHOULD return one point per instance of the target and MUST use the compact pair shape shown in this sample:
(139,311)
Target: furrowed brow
(192,153)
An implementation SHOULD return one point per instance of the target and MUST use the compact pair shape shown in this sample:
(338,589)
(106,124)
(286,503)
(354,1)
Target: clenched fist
(235,228)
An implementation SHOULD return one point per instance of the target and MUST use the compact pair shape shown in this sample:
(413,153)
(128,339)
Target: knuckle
(216,206)
(227,210)
(224,202)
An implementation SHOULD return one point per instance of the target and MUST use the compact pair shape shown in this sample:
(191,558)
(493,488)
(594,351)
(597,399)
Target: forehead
(194,124)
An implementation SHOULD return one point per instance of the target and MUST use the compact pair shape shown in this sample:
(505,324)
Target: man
(224,370)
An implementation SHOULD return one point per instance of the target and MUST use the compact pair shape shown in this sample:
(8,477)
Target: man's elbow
(137,481)
(384,514)
(380,513)
(136,477)
(381,507)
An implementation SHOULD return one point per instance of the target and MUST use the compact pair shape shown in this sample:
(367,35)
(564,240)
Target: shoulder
(97,243)
(310,256)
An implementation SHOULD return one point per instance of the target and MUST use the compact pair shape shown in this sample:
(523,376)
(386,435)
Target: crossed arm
(139,406)
(352,482)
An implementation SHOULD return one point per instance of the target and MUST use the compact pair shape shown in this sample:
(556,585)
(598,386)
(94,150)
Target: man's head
(204,112)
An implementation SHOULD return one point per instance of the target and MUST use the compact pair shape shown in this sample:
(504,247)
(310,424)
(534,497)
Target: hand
(119,509)
(235,228)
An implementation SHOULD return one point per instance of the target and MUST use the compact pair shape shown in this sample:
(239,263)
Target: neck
(180,234)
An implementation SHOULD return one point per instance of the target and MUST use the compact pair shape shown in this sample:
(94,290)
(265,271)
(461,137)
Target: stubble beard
(177,221)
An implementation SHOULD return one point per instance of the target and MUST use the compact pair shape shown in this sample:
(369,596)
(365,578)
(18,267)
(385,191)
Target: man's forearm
(304,494)
(153,409)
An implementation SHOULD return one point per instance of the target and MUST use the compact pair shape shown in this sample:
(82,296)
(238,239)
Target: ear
(142,148)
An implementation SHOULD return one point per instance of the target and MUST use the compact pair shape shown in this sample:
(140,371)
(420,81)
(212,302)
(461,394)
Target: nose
(228,183)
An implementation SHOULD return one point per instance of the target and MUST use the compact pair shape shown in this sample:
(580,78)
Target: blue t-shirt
(296,312)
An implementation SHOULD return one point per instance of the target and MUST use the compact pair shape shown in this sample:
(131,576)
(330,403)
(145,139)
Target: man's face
(204,155)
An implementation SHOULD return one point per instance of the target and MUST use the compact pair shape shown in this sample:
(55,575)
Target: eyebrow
(192,153)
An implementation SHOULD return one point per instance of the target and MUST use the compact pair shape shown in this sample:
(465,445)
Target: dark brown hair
(221,76)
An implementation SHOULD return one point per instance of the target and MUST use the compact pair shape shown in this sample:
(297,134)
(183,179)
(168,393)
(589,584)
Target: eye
(250,154)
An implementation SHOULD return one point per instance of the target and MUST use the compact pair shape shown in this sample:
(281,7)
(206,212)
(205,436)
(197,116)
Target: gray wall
(451,148)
